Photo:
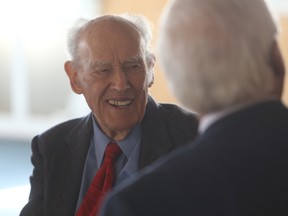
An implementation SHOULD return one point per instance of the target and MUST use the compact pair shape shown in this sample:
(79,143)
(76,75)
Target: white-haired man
(112,66)
(222,60)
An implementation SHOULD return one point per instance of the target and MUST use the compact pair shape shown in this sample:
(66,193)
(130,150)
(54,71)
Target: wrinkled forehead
(107,20)
(104,36)
(110,28)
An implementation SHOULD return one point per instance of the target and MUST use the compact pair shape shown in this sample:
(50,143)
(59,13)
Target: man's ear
(73,77)
(277,60)
(151,80)
(151,61)
(278,67)
(151,65)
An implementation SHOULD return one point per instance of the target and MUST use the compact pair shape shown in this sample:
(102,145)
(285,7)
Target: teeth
(119,103)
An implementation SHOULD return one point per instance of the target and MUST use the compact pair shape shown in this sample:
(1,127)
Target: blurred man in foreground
(222,60)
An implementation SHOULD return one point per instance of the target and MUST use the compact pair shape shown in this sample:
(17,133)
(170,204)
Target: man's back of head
(220,53)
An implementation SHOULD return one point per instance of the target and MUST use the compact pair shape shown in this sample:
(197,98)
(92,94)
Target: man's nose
(120,80)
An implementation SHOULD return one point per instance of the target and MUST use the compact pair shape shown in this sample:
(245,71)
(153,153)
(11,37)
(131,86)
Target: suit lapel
(73,161)
(155,137)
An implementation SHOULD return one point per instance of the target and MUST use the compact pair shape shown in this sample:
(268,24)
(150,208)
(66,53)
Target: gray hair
(223,49)
(140,22)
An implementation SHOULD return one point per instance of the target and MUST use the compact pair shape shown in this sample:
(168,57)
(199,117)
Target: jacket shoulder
(173,109)
(177,117)
(64,127)
(57,134)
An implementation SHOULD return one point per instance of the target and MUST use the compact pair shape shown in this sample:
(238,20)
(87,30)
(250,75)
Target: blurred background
(34,90)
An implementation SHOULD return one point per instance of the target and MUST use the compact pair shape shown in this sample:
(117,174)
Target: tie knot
(112,151)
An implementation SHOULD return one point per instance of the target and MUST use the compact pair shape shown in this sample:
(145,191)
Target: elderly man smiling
(112,66)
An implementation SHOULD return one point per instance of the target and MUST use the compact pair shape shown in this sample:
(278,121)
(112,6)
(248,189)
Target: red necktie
(102,182)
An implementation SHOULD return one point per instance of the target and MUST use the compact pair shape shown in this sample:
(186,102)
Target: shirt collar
(101,140)
(208,119)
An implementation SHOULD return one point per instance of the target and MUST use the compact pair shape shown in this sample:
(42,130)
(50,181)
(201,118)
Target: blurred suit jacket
(59,155)
(238,167)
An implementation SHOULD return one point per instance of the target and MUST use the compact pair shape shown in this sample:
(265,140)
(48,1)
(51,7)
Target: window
(34,90)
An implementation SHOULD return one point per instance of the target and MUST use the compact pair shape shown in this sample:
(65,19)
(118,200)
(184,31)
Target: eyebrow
(100,63)
(136,58)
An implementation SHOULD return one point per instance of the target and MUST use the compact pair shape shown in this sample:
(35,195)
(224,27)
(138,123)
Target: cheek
(140,82)
(142,99)
(142,86)
(93,94)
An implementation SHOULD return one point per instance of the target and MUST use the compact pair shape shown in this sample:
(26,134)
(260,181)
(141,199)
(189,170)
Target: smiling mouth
(120,103)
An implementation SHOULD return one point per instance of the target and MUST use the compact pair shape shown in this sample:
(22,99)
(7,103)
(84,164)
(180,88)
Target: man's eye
(103,71)
(134,67)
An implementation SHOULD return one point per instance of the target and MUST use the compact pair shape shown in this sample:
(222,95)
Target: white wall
(34,90)
(279,6)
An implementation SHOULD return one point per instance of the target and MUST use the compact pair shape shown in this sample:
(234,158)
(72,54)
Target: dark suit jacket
(239,166)
(59,155)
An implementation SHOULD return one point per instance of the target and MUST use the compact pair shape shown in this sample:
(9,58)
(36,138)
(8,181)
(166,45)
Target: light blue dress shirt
(126,164)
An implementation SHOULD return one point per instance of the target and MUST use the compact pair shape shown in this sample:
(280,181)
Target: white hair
(139,22)
(216,52)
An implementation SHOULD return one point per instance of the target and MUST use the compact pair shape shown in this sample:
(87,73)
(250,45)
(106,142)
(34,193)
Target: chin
(123,127)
